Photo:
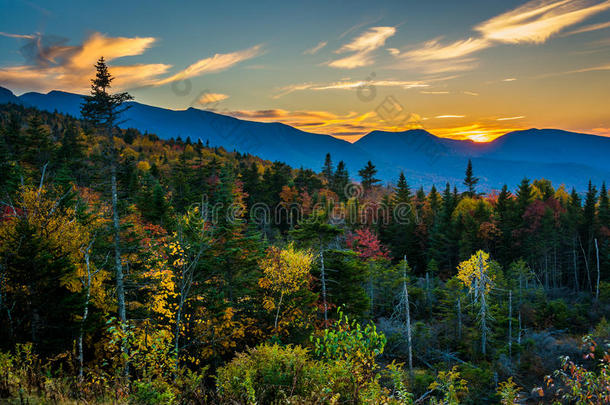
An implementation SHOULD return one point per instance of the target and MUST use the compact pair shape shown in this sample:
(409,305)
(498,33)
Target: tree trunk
(519,329)
(120,284)
(459,318)
(482,293)
(598,272)
(483,325)
(323,280)
(407,315)
(85,315)
(277,313)
(510,323)
(584,255)
(576,286)
(177,330)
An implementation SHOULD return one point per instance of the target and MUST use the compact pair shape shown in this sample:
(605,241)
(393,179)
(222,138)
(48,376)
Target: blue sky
(471,69)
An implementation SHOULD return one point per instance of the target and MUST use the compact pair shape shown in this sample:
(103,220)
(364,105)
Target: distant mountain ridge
(560,156)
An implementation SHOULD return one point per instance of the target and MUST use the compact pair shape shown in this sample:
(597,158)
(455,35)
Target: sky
(459,69)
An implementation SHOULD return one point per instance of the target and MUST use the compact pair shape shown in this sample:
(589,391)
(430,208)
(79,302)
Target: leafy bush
(151,392)
(270,373)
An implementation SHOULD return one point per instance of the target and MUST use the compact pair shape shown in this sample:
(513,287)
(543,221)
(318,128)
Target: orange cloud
(510,118)
(96,45)
(211,98)
(350,126)
(59,66)
(600,131)
(477,132)
(213,64)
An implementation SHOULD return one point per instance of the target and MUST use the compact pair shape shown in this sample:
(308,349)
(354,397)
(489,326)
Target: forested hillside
(140,270)
(560,156)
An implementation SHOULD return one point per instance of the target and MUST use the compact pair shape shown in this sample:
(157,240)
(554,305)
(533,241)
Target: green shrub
(269,374)
(151,392)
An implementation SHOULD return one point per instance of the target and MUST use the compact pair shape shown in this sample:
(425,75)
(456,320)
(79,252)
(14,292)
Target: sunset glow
(475,76)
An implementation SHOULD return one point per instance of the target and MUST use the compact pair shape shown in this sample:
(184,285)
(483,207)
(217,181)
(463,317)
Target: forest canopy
(140,270)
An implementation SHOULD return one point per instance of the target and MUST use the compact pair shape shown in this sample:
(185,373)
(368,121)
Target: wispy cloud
(351,85)
(210,98)
(509,79)
(533,22)
(323,122)
(481,131)
(591,69)
(600,131)
(393,51)
(536,21)
(359,26)
(588,28)
(216,63)
(434,50)
(7,34)
(510,118)
(315,49)
(362,48)
(433,92)
(350,126)
(597,68)
(51,64)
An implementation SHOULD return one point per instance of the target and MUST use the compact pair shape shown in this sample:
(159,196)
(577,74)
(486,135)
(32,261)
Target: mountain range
(563,157)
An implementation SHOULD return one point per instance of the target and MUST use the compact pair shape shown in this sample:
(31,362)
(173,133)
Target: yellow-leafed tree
(285,271)
(475,275)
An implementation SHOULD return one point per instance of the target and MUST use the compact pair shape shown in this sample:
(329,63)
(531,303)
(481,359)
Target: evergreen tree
(327,170)
(251,183)
(604,207)
(368,176)
(318,233)
(39,145)
(13,135)
(435,200)
(588,230)
(8,167)
(400,235)
(506,223)
(72,148)
(307,180)
(402,193)
(603,218)
(442,239)
(348,276)
(103,110)
(524,197)
(470,181)
(340,180)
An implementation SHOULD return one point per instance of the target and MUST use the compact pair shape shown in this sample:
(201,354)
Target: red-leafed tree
(366,244)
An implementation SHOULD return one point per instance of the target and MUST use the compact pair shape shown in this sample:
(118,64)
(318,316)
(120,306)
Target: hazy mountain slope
(560,156)
(551,146)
